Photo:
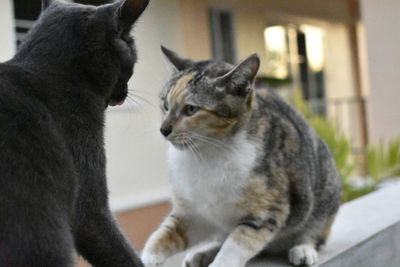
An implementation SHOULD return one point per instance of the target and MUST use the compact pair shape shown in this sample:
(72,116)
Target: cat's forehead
(198,79)
(210,69)
(67,11)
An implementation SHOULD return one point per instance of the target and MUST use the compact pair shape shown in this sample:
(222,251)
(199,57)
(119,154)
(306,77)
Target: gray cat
(75,62)
(248,174)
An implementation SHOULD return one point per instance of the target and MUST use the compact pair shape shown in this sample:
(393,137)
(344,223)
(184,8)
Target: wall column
(382,24)
(7,30)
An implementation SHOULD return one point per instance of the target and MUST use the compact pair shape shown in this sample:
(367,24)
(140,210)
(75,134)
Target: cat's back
(272,104)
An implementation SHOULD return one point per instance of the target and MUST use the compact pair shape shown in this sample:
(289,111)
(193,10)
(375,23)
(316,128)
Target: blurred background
(337,61)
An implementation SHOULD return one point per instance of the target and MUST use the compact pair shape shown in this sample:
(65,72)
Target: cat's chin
(113,103)
(179,146)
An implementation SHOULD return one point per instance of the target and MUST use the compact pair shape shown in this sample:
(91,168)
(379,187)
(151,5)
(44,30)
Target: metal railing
(349,115)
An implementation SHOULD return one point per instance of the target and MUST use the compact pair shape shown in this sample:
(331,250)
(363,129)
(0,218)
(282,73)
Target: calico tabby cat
(75,62)
(248,174)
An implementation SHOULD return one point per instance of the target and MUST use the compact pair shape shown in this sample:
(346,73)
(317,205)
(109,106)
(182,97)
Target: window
(277,52)
(26,12)
(222,35)
(296,53)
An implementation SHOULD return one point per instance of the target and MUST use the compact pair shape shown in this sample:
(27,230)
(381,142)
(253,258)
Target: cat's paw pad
(303,255)
(202,257)
(152,260)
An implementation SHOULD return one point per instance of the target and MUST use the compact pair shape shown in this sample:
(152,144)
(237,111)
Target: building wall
(7,35)
(137,170)
(195,29)
(381,26)
(340,80)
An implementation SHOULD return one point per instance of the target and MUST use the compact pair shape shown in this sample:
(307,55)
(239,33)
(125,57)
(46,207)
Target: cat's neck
(212,147)
(214,160)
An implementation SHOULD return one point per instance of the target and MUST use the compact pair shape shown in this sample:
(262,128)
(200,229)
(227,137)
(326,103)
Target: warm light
(275,42)
(275,38)
(315,47)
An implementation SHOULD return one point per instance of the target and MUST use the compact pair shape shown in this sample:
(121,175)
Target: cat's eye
(190,110)
(165,106)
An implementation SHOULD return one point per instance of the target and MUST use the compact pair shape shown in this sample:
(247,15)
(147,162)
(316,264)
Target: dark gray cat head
(91,44)
(206,98)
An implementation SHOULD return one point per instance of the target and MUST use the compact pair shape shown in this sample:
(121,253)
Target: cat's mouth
(114,103)
(119,95)
(180,143)
(180,146)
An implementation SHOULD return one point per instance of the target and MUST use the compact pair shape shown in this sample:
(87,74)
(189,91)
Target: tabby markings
(177,94)
(262,202)
(219,126)
(172,236)
(252,239)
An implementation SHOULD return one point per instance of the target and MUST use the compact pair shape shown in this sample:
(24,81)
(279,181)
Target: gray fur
(53,195)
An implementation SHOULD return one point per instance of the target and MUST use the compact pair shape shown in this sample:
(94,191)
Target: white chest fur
(211,184)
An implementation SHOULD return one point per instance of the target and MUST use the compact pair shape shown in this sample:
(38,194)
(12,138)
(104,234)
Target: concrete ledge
(366,233)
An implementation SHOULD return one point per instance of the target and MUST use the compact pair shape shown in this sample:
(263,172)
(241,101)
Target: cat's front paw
(303,255)
(152,260)
(201,257)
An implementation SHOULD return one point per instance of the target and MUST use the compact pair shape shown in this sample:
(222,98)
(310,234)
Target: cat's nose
(166,130)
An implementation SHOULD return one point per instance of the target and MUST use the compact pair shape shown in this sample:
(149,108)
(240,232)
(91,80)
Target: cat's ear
(176,61)
(128,11)
(242,76)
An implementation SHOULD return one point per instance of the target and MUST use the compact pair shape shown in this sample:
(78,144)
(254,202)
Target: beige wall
(136,152)
(251,19)
(7,32)
(195,29)
(250,24)
(340,81)
(382,29)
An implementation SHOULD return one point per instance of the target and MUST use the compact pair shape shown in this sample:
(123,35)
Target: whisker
(143,99)
(132,100)
(213,142)
(137,110)
(197,150)
(185,142)
(205,162)
(140,91)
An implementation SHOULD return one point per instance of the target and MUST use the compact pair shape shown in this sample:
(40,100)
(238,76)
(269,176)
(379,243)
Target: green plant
(338,143)
(383,161)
